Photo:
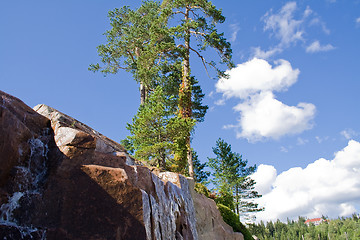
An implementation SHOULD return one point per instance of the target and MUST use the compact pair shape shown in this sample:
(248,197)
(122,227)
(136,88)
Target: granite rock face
(210,224)
(60,179)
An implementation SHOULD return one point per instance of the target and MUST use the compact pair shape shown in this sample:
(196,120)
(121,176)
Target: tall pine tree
(195,20)
(140,42)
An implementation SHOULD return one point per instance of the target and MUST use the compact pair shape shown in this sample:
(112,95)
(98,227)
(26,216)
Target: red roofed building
(315,221)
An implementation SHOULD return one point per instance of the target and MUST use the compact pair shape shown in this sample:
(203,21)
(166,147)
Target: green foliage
(232,219)
(136,43)
(156,134)
(200,175)
(225,198)
(198,19)
(190,20)
(341,228)
(170,81)
(140,41)
(202,189)
(231,179)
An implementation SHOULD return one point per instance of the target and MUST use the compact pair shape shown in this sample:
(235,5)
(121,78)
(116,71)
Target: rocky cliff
(60,179)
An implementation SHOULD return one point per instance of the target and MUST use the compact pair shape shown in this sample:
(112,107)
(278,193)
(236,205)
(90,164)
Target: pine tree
(231,176)
(156,132)
(200,175)
(196,19)
(137,42)
(140,42)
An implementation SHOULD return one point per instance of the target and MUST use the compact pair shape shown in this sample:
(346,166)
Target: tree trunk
(185,93)
(143,90)
(143,94)
(237,200)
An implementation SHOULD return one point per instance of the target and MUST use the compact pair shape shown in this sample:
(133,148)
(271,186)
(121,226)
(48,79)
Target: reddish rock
(60,179)
(18,124)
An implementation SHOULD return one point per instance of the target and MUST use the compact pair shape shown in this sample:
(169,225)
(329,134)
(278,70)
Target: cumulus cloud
(265,175)
(262,116)
(317,47)
(324,187)
(255,76)
(358,20)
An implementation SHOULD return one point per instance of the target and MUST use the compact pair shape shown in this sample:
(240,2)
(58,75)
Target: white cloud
(358,20)
(235,29)
(258,53)
(301,141)
(255,76)
(321,139)
(317,22)
(324,187)
(261,115)
(265,176)
(317,47)
(220,102)
(284,149)
(349,134)
(289,25)
(284,26)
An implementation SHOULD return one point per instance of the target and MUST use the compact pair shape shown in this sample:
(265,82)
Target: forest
(329,229)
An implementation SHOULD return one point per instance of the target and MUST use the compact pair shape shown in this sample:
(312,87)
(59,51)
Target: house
(315,221)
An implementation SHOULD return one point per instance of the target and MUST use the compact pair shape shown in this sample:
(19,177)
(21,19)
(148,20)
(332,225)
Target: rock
(210,225)
(74,138)
(60,179)
(27,155)
(18,124)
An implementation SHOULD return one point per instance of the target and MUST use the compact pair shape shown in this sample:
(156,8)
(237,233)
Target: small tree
(231,176)
(200,175)
(156,133)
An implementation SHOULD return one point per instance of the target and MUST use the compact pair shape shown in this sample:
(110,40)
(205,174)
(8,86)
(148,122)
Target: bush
(233,220)
(202,189)
(225,198)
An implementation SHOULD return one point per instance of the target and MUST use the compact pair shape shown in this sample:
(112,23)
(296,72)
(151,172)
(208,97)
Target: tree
(137,42)
(140,42)
(231,175)
(156,132)
(200,175)
(198,19)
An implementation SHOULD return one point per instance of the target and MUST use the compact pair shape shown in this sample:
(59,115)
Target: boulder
(74,138)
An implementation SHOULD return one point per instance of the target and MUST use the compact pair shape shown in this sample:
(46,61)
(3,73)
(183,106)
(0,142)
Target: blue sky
(290,106)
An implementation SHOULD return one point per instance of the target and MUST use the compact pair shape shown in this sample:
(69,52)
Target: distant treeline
(337,229)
